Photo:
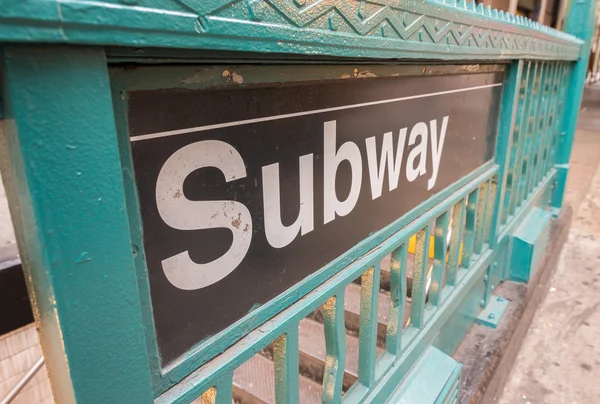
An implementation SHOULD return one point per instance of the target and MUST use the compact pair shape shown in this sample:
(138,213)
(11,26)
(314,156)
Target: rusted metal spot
(226,75)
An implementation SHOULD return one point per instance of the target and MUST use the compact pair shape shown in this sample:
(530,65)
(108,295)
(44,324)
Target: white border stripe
(303,113)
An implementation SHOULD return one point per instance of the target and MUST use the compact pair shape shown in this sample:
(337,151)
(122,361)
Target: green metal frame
(125,80)
(448,30)
(69,179)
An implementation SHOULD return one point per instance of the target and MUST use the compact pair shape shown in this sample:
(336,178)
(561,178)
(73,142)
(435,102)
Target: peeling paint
(366,74)
(237,78)
(83,258)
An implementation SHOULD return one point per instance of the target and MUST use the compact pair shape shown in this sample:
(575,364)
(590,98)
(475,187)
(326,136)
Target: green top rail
(446,30)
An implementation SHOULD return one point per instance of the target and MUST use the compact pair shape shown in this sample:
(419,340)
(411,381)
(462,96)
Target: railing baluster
(470,226)
(455,246)
(393,339)
(208,397)
(224,389)
(369,305)
(440,247)
(417,308)
(556,88)
(519,136)
(549,124)
(562,88)
(543,136)
(490,230)
(287,367)
(509,134)
(539,126)
(525,165)
(221,393)
(482,212)
(335,348)
(535,130)
(518,191)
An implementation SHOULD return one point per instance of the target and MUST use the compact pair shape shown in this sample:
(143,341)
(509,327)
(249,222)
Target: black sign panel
(246,191)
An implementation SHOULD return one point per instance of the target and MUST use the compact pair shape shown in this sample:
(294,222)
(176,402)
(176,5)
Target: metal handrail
(24,380)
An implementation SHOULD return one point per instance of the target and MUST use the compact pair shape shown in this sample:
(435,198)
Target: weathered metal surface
(68,165)
(66,197)
(348,28)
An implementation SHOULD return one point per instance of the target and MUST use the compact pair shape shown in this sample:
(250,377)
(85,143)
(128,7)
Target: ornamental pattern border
(384,29)
(399,21)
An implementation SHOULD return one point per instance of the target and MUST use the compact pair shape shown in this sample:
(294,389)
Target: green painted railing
(65,166)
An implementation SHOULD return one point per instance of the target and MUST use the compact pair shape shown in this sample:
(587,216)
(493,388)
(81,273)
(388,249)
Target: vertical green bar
(369,305)
(456,239)
(470,226)
(418,295)
(518,137)
(524,135)
(287,367)
(580,23)
(529,133)
(393,340)
(535,132)
(558,113)
(335,348)
(64,182)
(224,389)
(549,122)
(440,246)
(542,136)
(506,147)
(482,212)
(489,215)
(531,117)
(549,119)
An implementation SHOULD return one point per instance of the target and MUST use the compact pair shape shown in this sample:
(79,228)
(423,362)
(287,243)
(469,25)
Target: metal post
(580,23)
(64,182)
(510,101)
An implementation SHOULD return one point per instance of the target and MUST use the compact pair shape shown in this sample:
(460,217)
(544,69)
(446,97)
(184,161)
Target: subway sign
(245,191)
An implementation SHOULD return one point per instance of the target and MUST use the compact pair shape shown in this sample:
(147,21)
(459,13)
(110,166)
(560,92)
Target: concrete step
(384,282)
(312,353)
(254,383)
(352,306)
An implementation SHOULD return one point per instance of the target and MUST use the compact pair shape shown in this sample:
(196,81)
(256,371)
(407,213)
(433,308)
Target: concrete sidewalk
(559,361)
